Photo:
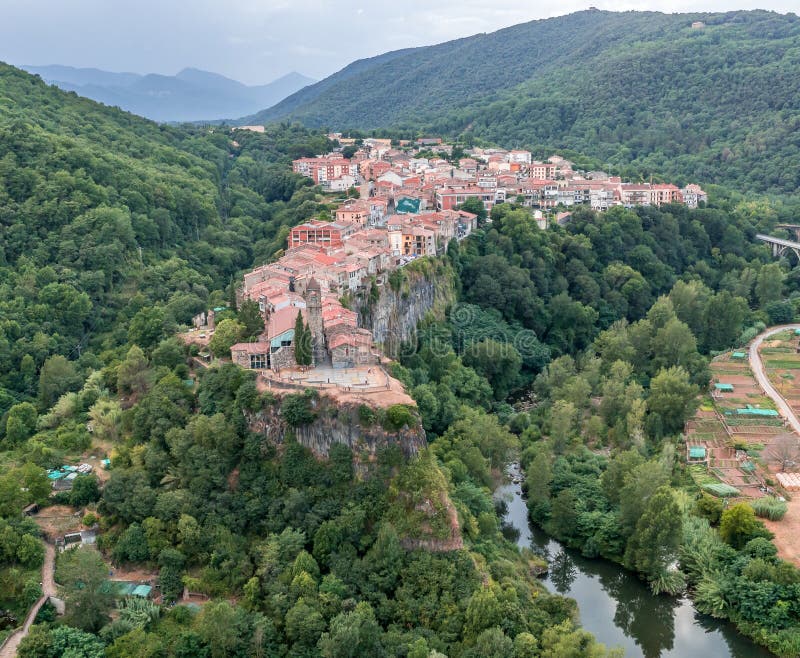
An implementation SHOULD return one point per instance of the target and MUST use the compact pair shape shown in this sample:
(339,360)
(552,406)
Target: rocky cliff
(340,423)
(392,313)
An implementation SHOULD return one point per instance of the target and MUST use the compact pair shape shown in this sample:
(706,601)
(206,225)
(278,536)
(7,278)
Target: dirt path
(9,649)
(787,530)
(761,377)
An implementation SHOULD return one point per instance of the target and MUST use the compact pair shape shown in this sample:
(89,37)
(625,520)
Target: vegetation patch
(770,508)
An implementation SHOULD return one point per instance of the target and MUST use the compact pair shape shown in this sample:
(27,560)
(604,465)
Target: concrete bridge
(792,228)
(779,245)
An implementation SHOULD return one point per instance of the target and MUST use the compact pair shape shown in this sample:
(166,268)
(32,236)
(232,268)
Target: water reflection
(617,607)
(562,572)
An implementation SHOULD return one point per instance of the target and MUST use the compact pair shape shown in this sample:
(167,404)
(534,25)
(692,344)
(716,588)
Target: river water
(618,608)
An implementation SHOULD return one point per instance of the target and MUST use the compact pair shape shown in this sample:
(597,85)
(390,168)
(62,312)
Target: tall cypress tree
(302,342)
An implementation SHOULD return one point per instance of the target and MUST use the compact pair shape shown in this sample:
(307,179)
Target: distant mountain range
(707,97)
(191,95)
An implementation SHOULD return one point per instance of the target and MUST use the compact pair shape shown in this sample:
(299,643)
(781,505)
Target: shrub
(296,409)
(397,417)
(769,508)
(89,519)
(367,415)
(709,507)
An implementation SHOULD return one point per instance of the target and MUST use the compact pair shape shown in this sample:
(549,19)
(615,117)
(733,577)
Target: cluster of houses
(326,262)
(423,175)
(410,207)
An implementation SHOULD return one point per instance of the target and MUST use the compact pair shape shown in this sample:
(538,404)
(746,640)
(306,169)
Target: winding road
(9,648)
(761,377)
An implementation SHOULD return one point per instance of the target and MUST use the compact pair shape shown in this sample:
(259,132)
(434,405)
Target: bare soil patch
(787,532)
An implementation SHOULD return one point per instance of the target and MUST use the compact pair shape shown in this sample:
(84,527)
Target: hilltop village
(412,204)
(426,175)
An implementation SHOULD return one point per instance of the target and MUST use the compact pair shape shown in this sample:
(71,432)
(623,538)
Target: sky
(256,41)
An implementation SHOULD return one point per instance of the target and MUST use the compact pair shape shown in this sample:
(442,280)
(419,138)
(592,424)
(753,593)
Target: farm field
(745,437)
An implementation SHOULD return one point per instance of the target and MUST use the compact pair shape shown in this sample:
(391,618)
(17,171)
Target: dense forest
(114,232)
(601,333)
(641,91)
(579,350)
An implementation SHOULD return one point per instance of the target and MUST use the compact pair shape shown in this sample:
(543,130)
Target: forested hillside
(643,92)
(578,349)
(115,230)
(110,223)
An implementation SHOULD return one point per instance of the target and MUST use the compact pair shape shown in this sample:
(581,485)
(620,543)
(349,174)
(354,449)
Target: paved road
(761,377)
(9,649)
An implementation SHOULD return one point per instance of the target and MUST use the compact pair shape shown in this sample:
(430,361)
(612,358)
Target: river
(618,608)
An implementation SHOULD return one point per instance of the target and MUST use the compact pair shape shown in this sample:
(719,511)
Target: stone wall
(283,357)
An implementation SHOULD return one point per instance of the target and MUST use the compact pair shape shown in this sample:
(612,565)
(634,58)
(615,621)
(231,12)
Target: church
(337,341)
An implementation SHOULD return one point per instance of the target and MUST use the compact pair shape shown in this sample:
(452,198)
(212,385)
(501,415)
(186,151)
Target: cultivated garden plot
(734,426)
(782,365)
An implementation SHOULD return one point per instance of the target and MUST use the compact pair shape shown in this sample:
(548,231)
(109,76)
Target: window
(259,361)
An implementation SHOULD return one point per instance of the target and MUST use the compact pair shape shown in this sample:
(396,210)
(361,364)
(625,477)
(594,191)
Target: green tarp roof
(724,387)
(697,453)
(739,355)
(756,412)
(142,590)
(407,205)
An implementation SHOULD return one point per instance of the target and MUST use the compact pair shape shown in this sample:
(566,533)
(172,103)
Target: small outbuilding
(724,388)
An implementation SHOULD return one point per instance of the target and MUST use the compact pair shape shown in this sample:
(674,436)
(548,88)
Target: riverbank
(618,608)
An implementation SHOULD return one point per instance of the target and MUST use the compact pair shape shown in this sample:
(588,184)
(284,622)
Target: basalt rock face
(337,424)
(426,286)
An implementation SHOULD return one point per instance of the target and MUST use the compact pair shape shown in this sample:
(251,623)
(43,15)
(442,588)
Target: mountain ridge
(190,95)
(645,92)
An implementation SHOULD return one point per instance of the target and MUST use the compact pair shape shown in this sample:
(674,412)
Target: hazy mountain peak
(191,95)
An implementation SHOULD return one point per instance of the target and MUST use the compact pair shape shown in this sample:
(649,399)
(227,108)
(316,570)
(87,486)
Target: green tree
(35,483)
(169,353)
(499,362)
(133,375)
(44,642)
(250,317)
(353,634)
(738,525)
(147,327)
(302,342)
(769,285)
(304,624)
(20,423)
(228,333)
(84,490)
(655,542)
(476,207)
(58,375)
(724,316)
(84,577)
(136,644)
(219,625)
(105,416)
(563,416)
(673,398)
